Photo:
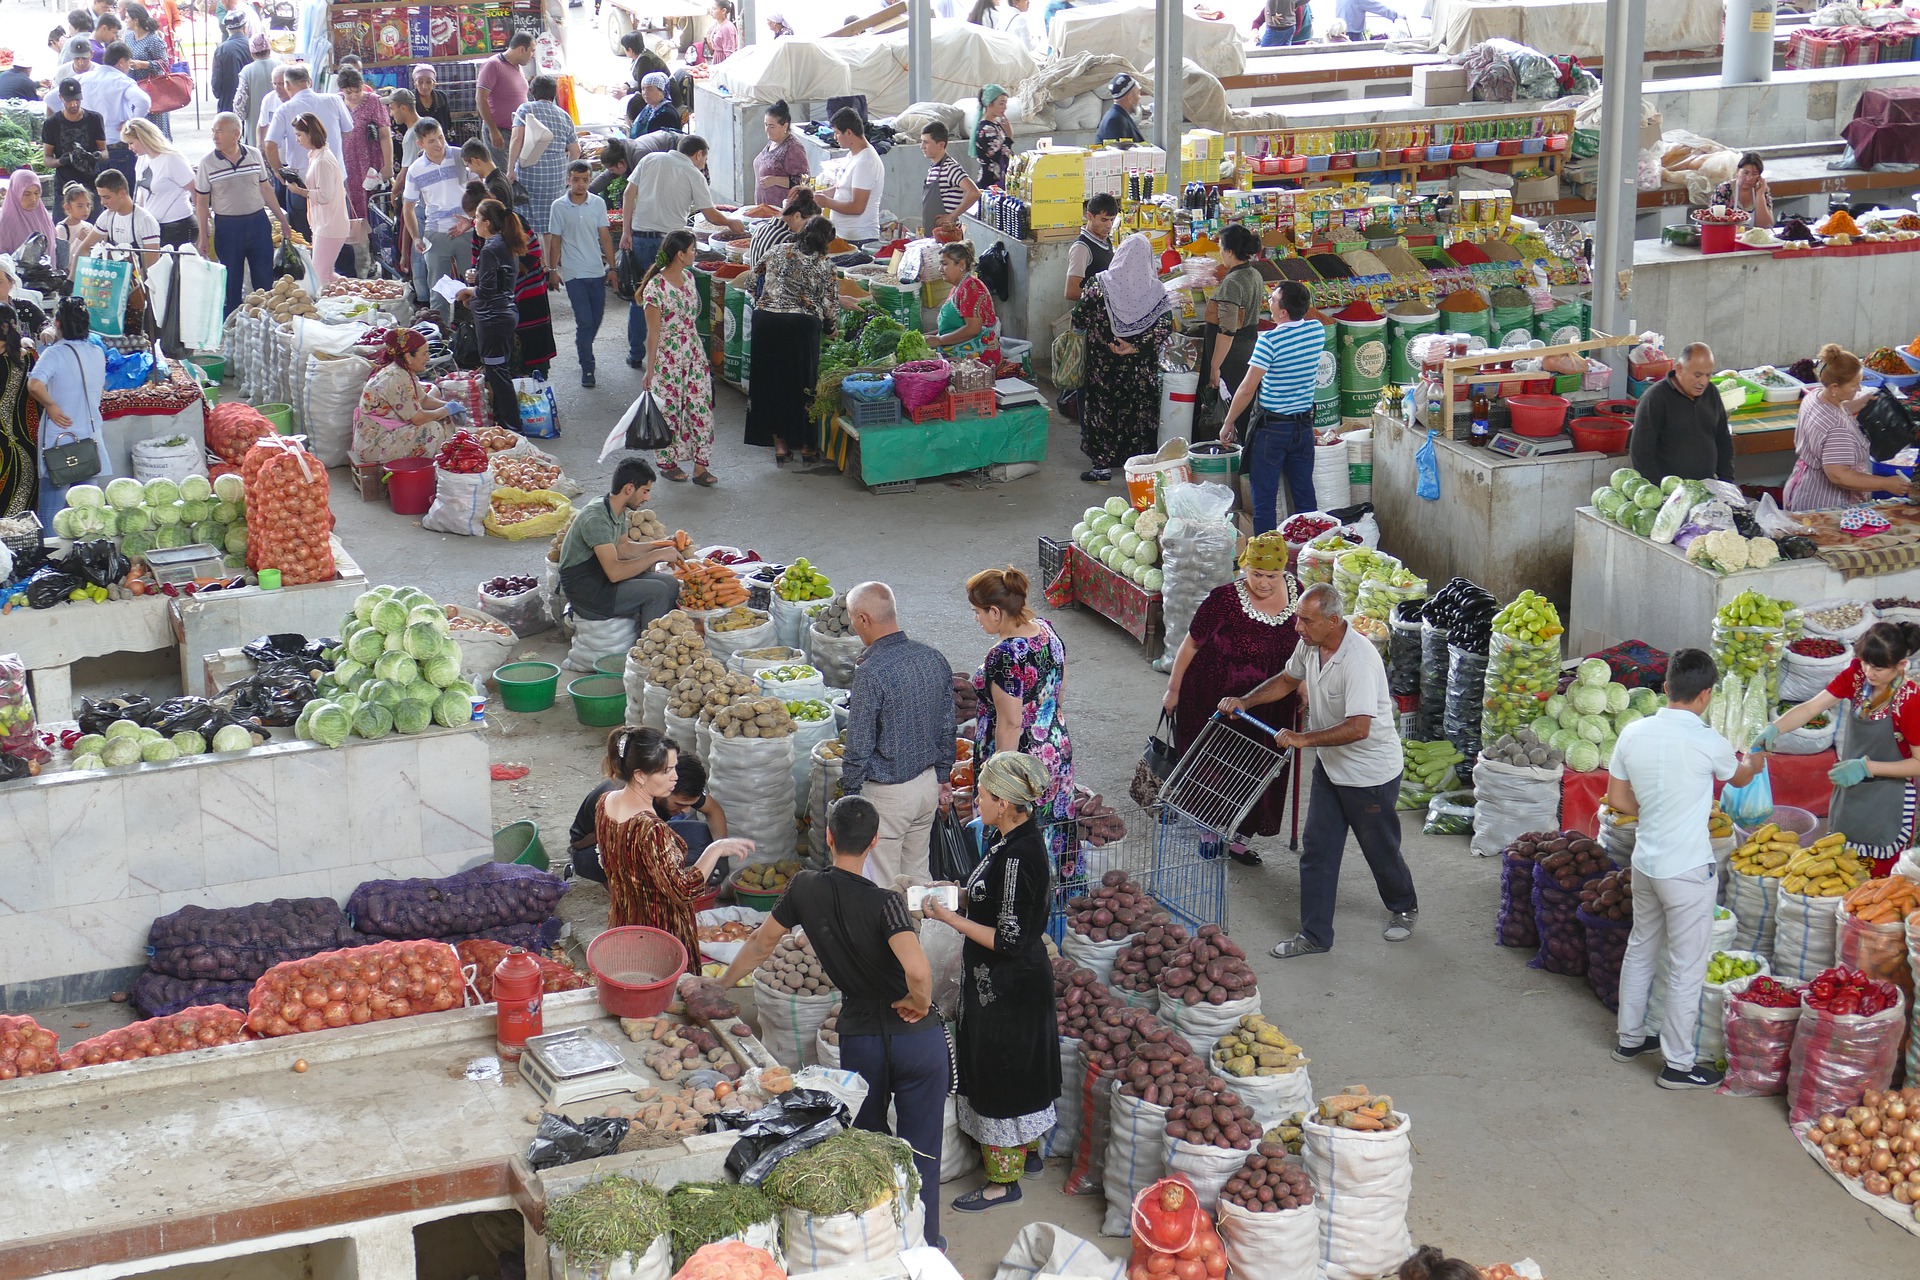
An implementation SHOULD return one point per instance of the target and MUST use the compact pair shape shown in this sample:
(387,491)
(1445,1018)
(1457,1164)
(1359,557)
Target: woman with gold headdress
(1008,1046)
(1242,633)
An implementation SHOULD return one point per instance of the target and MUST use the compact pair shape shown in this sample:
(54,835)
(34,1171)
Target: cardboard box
(1535,190)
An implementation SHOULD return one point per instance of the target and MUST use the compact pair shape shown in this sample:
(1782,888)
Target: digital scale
(1508,445)
(565,1067)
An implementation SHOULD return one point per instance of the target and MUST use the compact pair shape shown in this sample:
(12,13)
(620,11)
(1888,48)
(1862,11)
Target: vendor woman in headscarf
(1007,1046)
(1118,125)
(993,138)
(398,416)
(1125,315)
(24,214)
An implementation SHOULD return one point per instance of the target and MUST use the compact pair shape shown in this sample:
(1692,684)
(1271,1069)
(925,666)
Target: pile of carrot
(1884,901)
(707,585)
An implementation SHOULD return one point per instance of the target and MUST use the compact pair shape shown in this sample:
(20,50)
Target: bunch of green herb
(705,1212)
(851,1172)
(613,1218)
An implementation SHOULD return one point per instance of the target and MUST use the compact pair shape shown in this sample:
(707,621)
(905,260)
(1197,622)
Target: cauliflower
(1761,552)
(1722,550)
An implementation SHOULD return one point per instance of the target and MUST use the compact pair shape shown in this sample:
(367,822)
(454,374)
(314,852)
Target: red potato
(1209,967)
(1113,910)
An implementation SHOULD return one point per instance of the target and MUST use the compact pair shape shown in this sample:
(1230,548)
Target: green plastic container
(614,664)
(1216,462)
(599,701)
(1326,383)
(519,843)
(737,334)
(214,367)
(280,415)
(527,686)
(1363,365)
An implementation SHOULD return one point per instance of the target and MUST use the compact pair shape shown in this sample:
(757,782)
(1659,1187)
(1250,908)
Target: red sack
(27,1048)
(1837,1057)
(201,1027)
(1171,1229)
(359,984)
(289,524)
(485,954)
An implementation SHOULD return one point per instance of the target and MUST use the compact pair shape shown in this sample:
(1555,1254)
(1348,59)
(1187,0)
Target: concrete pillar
(1169,82)
(1618,203)
(748,20)
(382,1250)
(919,50)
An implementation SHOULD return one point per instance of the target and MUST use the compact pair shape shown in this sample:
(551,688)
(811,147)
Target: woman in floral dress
(993,137)
(676,370)
(398,416)
(1125,315)
(367,146)
(648,875)
(1242,633)
(1020,686)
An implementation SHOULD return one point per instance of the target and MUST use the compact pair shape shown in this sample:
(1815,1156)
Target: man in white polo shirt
(436,181)
(1663,769)
(1356,775)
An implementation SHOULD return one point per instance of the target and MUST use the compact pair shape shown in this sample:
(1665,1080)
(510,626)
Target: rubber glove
(1764,740)
(1848,773)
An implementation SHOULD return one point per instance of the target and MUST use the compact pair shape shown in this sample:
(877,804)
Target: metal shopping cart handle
(1262,725)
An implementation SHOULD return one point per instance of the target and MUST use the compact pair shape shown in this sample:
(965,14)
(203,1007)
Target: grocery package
(232,944)
(16,710)
(1750,637)
(1557,880)
(1759,1019)
(486,897)
(360,984)
(1511,798)
(750,769)
(1197,549)
(289,525)
(1430,718)
(1847,1042)
(203,1027)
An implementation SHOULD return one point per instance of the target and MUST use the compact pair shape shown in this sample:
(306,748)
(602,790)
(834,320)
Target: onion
(1880,1161)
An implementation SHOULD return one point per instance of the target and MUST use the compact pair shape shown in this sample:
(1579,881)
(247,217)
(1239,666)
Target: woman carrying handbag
(67,382)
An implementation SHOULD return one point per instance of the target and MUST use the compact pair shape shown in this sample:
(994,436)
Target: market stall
(173,409)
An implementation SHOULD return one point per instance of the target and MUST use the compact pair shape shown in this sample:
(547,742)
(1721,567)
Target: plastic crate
(30,536)
(973,404)
(940,408)
(883,412)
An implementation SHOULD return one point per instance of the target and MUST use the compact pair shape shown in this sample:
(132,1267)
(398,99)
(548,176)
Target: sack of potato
(1102,922)
(1606,916)
(1209,1136)
(1557,881)
(1514,926)
(794,997)
(750,772)
(1269,1226)
(1362,1178)
(1207,987)
(1805,933)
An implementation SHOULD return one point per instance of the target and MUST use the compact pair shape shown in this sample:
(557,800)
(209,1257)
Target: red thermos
(516,997)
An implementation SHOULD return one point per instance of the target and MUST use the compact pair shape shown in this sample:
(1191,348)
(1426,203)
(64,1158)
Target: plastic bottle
(517,990)
(1481,431)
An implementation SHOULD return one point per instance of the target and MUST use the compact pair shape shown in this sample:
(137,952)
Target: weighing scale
(565,1067)
(1508,445)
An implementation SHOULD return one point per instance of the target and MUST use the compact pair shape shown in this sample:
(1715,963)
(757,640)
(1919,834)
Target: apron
(973,348)
(1872,813)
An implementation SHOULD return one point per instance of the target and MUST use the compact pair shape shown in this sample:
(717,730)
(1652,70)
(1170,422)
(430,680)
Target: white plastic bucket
(1178,394)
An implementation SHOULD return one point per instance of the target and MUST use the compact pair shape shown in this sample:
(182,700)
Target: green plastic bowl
(599,701)
(614,664)
(527,686)
(280,415)
(519,842)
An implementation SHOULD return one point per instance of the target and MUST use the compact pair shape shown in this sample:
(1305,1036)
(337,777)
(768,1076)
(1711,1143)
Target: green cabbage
(122,729)
(162,493)
(363,605)
(230,488)
(433,615)
(1617,699)
(190,742)
(121,751)
(346,672)
(173,536)
(1592,728)
(389,617)
(1645,701)
(450,710)
(1623,476)
(232,738)
(384,692)
(1569,716)
(1583,757)
(412,716)
(63,523)
(210,532)
(1556,704)
(137,544)
(94,522)
(1149,552)
(1544,727)
(1118,506)
(82,496)
(1563,739)
(306,712)
(144,735)
(89,761)
(1625,718)
(194,512)
(442,671)
(226,512)
(1152,579)
(420,640)
(330,724)
(366,647)
(397,667)
(196,489)
(1588,699)
(420,691)
(372,721)
(1593,671)
(124,493)
(165,513)
(236,540)
(90,744)
(159,752)
(394,642)
(134,520)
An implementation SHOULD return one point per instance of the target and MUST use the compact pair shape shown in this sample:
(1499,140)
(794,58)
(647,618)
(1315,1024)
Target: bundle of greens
(705,1212)
(913,345)
(616,1217)
(851,1172)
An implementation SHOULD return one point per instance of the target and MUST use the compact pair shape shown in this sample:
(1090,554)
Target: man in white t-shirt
(1356,777)
(120,221)
(436,182)
(863,179)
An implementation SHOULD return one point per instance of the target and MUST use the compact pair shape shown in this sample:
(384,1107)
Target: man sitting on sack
(605,572)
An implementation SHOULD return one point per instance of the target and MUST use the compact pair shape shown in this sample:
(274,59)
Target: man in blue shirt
(1281,373)
(1663,771)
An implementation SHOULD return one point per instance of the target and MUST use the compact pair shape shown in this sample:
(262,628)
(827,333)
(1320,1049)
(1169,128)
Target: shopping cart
(1224,773)
(1165,853)
(383,238)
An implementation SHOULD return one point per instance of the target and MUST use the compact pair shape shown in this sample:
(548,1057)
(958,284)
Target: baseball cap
(80,47)
(258,44)
(69,88)
(235,21)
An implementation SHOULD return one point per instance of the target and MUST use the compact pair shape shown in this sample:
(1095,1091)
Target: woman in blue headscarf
(993,137)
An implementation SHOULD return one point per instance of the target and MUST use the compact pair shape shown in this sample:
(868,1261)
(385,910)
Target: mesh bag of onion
(26,1048)
(201,1027)
(289,524)
(360,984)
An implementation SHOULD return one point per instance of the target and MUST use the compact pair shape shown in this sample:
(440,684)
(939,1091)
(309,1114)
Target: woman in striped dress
(1832,467)
(769,235)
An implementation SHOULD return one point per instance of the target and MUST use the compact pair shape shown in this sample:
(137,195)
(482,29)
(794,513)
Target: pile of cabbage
(1584,722)
(1124,540)
(160,514)
(396,670)
(123,743)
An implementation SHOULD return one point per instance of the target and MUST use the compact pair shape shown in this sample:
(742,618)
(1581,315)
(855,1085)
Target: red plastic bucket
(1719,237)
(1598,434)
(410,483)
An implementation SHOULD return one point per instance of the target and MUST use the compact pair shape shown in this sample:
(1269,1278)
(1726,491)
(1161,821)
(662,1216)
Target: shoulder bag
(69,459)
(1156,762)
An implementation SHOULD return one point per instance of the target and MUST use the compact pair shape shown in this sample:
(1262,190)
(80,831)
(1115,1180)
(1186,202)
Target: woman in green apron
(1233,322)
(1876,780)
(969,328)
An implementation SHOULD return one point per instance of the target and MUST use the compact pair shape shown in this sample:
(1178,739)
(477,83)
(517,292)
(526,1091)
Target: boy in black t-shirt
(866,943)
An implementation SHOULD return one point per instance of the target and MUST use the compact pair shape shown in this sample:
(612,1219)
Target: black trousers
(496,350)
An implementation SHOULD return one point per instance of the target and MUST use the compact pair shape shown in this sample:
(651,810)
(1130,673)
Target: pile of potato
(794,969)
(644,526)
(834,748)
(1209,968)
(1572,861)
(688,692)
(284,302)
(1213,1116)
(754,718)
(1164,1069)
(665,1116)
(1141,964)
(1116,909)
(832,619)
(1099,823)
(723,692)
(1269,1182)
(1108,1030)
(778,653)
(1257,1048)
(378,290)
(1610,896)
(670,644)
(830,1029)
(673,1048)
(738,618)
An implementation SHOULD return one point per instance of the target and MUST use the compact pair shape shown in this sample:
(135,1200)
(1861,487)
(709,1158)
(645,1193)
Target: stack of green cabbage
(1583,723)
(1631,501)
(397,670)
(1124,540)
(125,743)
(160,514)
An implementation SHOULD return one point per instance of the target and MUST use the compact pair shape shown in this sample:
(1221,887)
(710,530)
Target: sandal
(706,479)
(672,472)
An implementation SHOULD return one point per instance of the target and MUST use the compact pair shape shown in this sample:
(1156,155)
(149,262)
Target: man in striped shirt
(1281,374)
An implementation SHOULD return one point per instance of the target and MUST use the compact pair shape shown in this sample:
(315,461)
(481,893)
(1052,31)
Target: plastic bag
(791,1123)
(752,778)
(100,563)
(790,1023)
(1431,717)
(1563,939)
(233,944)
(95,716)
(1205,1166)
(560,1141)
(1362,1182)
(1449,813)
(1837,1057)
(1803,677)
(1136,1157)
(1509,800)
(201,1027)
(834,656)
(49,586)
(1197,555)
(1466,692)
(524,611)
(1427,462)
(1750,805)
(26,1048)
(1204,1023)
(559,508)
(1804,934)
(1758,1042)
(488,896)
(1043,1249)
(427,974)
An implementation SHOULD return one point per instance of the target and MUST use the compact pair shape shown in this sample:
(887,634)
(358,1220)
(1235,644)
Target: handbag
(1887,423)
(1156,762)
(466,343)
(535,138)
(71,462)
(646,424)
(169,90)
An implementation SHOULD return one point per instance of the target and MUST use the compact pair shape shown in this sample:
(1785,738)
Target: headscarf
(1266,553)
(1131,285)
(1016,778)
(17,222)
(990,94)
(400,342)
(655,80)
(427,67)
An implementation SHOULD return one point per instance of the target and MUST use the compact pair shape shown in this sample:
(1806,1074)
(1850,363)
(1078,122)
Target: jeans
(1275,37)
(429,265)
(1369,813)
(646,597)
(904,843)
(648,248)
(911,1071)
(1674,915)
(244,245)
(1281,443)
(588,298)
(120,157)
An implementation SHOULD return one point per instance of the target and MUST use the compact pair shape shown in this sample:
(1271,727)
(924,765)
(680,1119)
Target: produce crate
(973,404)
(30,537)
(883,412)
(941,408)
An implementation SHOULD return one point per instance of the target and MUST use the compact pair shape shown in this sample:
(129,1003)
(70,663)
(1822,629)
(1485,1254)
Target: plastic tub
(1601,435)
(1142,471)
(614,664)
(1461,151)
(1720,237)
(1622,409)
(1557,141)
(410,485)
(1798,821)
(214,367)
(1317,164)
(1439,153)
(599,701)
(1215,462)
(1508,147)
(1293,164)
(280,415)
(527,686)
(519,843)
(1413,155)
(1485,150)
(1532,146)
(1538,416)
(635,969)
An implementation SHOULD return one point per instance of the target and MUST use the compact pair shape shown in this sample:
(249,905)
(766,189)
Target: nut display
(1209,968)
(793,967)
(754,718)
(1269,1182)
(1116,909)
(1139,967)
(1257,1048)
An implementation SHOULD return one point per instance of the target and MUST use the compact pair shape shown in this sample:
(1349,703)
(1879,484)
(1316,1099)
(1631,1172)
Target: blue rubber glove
(1764,740)
(1848,773)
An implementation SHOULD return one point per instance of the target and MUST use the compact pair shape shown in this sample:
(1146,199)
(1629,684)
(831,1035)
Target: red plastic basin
(1538,416)
(1601,435)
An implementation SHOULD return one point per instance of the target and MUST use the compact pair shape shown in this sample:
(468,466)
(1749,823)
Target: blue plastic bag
(539,415)
(1752,805)
(1429,465)
(128,369)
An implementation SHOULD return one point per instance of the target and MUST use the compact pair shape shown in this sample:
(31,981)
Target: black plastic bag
(1888,423)
(560,1141)
(27,559)
(95,716)
(99,562)
(286,262)
(179,715)
(954,855)
(49,586)
(313,650)
(284,644)
(791,1123)
(995,270)
(272,695)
